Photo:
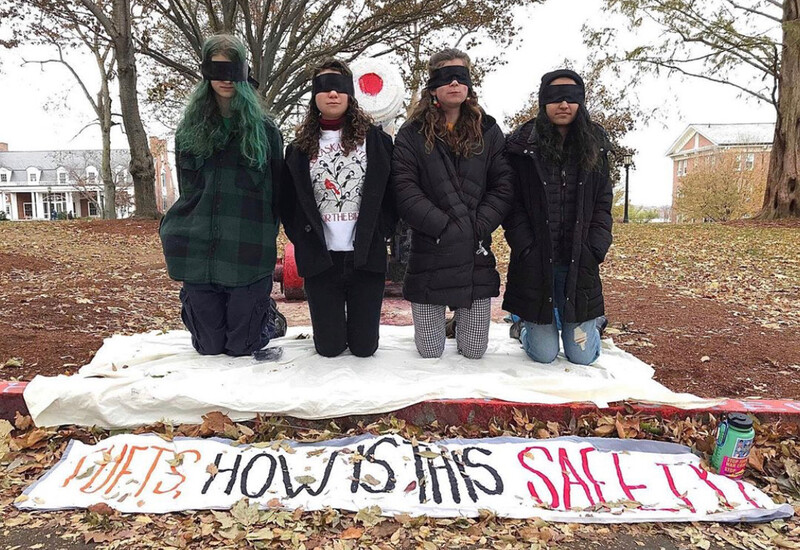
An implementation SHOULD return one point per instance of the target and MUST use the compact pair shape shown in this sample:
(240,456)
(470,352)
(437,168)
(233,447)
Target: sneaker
(601,323)
(511,318)
(268,354)
(276,321)
(450,327)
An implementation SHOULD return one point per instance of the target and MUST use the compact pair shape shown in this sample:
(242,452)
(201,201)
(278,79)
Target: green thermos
(734,439)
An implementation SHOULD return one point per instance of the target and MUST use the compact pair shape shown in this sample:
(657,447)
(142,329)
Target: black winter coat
(377,216)
(450,207)
(529,287)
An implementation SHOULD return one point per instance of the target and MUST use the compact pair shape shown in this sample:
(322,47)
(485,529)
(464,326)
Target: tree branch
(683,71)
(755,11)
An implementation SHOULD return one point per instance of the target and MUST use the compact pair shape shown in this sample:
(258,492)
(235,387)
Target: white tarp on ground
(564,479)
(145,378)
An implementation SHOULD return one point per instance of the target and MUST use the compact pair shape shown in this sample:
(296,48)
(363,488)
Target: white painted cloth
(145,378)
(589,480)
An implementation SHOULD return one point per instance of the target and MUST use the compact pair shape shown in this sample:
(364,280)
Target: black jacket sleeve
(389,216)
(517,225)
(413,205)
(599,239)
(497,201)
(277,167)
(287,198)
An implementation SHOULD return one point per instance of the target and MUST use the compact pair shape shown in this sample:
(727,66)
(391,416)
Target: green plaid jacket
(223,227)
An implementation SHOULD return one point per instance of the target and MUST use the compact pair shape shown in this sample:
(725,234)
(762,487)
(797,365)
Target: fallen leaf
(351,533)
(429,454)
(215,422)
(371,480)
(97,537)
(245,513)
(306,480)
(274,503)
(13,362)
(31,439)
(369,516)
(89,471)
(101,509)
(262,534)
(176,461)
(22,422)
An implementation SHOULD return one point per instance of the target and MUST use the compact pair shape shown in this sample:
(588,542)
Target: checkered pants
(472,329)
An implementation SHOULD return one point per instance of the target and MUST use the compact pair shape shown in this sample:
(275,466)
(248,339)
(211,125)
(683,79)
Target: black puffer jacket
(450,207)
(562,197)
(377,216)
(529,288)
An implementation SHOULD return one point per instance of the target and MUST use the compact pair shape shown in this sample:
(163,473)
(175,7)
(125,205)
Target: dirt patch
(22,262)
(703,346)
(125,228)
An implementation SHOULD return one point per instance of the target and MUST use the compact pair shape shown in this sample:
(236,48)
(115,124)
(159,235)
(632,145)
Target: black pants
(224,319)
(345,305)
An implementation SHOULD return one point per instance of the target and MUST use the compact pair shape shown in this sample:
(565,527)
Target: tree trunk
(782,197)
(141,167)
(109,183)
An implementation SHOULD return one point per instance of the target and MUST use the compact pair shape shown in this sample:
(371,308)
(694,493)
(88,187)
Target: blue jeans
(581,340)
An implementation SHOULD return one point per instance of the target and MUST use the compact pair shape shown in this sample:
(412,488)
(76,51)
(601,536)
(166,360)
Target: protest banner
(563,479)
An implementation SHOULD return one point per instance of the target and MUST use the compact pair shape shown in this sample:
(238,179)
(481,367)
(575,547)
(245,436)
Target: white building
(37,185)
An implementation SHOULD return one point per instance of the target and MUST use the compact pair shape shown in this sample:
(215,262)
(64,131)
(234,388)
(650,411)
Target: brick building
(42,184)
(701,143)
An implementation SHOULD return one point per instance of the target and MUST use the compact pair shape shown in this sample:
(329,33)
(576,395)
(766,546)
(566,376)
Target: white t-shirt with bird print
(338,181)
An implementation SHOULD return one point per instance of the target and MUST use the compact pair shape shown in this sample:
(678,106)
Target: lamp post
(627,161)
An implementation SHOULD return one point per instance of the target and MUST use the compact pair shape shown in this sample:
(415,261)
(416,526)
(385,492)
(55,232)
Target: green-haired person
(219,237)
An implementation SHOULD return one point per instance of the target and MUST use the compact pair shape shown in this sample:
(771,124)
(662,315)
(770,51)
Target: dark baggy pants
(345,305)
(230,320)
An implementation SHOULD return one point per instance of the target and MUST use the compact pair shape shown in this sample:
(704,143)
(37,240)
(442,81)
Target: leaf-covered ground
(26,452)
(714,308)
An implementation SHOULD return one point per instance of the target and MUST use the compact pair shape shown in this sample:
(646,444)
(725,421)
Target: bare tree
(45,24)
(286,38)
(750,45)
(116,21)
(76,166)
(101,104)
(105,26)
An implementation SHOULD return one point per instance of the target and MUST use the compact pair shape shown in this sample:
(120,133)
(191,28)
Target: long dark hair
(581,145)
(356,124)
(466,138)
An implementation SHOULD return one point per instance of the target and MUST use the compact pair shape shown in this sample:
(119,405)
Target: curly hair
(356,124)
(466,137)
(201,130)
(582,144)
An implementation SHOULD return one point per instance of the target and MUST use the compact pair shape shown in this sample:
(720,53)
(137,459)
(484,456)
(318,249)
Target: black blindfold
(571,93)
(445,75)
(333,82)
(224,70)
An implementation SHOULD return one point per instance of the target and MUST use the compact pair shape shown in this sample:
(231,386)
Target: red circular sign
(370,84)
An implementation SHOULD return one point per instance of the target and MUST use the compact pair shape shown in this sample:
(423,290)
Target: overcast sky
(550,34)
